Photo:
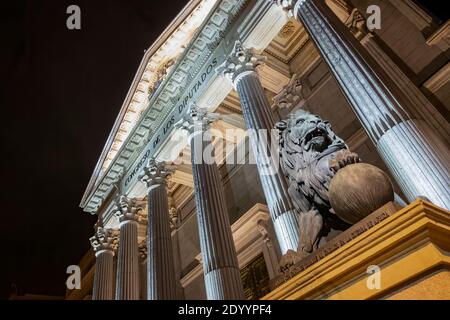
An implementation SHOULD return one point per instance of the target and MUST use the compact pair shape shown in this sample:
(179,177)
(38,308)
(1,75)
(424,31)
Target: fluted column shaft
(104,275)
(127,287)
(259,119)
(104,244)
(415,102)
(220,264)
(415,155)
(161,283)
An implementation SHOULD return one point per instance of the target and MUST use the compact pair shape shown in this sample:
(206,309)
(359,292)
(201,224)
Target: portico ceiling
(289,41)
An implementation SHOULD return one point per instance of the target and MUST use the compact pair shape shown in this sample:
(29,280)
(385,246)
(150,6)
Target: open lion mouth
(317,139)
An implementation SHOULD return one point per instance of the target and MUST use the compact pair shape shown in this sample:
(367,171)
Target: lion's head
(305,139)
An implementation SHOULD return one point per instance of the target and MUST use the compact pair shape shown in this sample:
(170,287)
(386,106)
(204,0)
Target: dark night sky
(59,95)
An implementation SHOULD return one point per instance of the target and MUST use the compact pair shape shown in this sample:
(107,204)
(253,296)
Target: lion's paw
(343,158)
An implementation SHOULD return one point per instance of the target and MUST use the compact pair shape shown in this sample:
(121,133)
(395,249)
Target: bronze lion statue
(310,155)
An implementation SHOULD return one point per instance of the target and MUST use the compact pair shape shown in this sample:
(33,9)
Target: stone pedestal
(391,254)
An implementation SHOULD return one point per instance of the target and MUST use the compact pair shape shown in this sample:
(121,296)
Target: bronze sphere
(359,189)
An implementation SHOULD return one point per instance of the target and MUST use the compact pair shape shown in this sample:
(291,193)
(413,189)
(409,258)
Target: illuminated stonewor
(409,87)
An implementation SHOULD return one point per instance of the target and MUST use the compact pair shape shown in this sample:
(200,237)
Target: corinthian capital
(241,61)
(104,239)
(155,173)
(197,119)
(127,209)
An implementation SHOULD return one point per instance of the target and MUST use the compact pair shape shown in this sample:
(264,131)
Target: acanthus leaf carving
(104,239)
(127,209)
(240,61)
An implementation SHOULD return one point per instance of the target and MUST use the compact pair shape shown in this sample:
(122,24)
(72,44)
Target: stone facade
(273,71)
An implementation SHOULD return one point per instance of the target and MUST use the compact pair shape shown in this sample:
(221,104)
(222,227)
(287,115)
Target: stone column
(240,68)
(416,102)
(104,243)
(161,283)
(220,263)
(127,280)
(416,156)
(143,269)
